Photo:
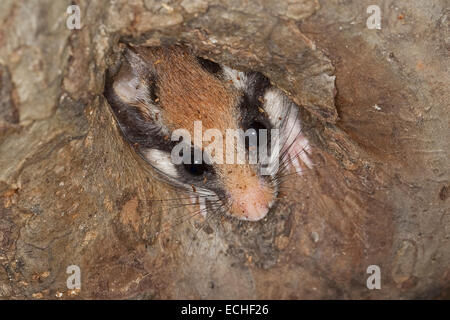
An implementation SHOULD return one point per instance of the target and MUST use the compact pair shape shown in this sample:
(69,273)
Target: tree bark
(375,102)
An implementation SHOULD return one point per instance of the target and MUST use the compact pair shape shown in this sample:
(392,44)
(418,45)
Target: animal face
(160,90)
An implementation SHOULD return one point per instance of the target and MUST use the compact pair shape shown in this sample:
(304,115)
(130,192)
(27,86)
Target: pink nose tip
(252,205)
(253,211)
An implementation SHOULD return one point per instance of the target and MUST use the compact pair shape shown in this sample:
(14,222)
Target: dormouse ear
(131,93)
(138,63)
(136,80)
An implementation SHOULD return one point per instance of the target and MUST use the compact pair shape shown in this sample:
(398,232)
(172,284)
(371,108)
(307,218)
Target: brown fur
(188,93)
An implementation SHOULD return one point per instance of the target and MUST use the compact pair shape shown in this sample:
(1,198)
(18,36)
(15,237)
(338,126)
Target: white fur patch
(284,115)
(238,78)
(162,161)
(202,206)
(276,106)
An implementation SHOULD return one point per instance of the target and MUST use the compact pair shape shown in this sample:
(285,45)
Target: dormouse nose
(251,202)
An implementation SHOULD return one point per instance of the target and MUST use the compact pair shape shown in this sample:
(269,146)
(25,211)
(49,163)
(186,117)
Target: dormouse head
(168,102)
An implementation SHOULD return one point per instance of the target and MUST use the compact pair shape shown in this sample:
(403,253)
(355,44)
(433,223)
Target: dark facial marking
(209,65)
(251,105)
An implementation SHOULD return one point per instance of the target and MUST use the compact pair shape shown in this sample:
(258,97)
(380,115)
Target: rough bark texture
(376,103)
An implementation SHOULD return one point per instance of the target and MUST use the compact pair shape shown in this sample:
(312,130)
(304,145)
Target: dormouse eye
(197,167)
(252,139)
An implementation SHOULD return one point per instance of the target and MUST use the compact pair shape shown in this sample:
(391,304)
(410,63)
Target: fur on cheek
(284,115)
